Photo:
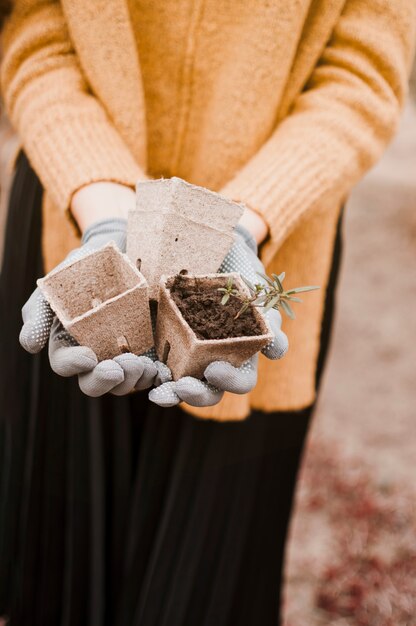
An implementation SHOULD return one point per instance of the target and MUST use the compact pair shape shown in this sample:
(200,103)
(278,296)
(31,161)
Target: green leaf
(266,278)
(287,309)
(222,289)
(230,282)
(243,309)
(225,298)
(278,282)
(272,303)
(279,278)
(293,299)
(259,301)
(249,284)
(301,289)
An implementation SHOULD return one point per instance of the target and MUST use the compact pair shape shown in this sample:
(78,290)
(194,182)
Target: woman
(113,509)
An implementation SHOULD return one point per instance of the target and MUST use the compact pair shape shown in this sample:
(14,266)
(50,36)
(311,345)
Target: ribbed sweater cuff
(75,152)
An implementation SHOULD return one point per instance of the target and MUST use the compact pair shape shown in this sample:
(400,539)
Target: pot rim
(42,283)
(268,334)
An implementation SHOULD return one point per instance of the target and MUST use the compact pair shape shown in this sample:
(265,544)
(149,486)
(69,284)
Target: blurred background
(351,558)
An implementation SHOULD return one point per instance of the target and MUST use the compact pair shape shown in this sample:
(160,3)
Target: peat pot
(178,226)
(102,301)
(182,348)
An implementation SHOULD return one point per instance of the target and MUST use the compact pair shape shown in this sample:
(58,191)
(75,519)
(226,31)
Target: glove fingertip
(277,348)
(164,375)
(99,381)
(69,361)
(197,392)
(165,395)
(29,341)
(149,364)
(148,376)
(213,367)
(239,380)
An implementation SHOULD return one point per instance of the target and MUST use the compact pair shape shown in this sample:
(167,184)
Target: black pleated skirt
(114,511)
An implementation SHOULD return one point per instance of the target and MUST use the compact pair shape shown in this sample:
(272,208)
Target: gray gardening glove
(67,358)
(221,376)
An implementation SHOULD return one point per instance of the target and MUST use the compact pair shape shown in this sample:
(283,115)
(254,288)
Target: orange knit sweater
(282,105)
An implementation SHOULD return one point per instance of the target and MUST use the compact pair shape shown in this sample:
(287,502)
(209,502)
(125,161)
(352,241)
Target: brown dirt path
(367,408)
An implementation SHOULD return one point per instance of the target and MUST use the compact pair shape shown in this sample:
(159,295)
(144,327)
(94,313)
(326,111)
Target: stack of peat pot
(178,235)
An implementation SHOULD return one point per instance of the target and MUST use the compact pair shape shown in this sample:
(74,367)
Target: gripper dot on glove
(37,317)
(237,260)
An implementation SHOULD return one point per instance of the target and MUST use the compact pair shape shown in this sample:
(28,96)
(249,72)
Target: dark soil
(201,307)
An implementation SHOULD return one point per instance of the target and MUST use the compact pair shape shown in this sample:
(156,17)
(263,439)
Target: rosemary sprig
(268,295)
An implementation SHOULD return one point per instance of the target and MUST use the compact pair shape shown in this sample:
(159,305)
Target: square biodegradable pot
(178,226)
(102,301)
(184,353)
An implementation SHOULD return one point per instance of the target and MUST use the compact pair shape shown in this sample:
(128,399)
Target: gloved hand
(67,358)
(221,376)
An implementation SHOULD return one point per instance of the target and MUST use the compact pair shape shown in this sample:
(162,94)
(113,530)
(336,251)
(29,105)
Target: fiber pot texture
(178,226)
(102,300)
(178,346)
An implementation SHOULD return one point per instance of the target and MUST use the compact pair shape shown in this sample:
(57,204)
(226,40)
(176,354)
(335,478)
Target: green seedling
(268,295)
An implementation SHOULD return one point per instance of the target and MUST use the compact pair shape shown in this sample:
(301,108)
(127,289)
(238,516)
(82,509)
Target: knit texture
(281,105)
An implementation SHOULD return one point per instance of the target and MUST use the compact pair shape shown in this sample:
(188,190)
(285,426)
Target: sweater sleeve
(340,123)
(64,130)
